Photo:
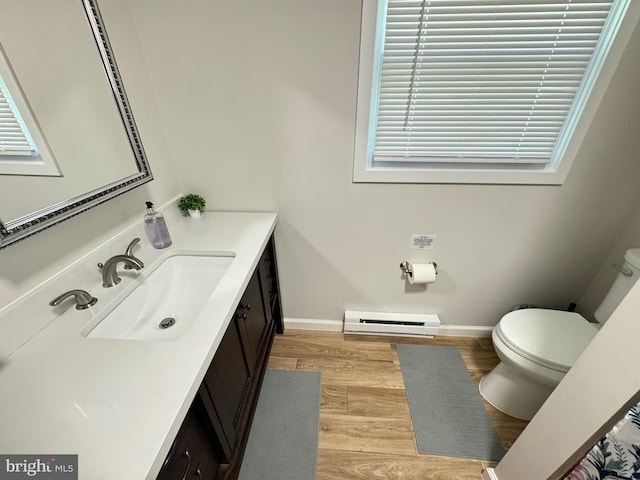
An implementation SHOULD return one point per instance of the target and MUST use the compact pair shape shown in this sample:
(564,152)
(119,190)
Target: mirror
(75,94)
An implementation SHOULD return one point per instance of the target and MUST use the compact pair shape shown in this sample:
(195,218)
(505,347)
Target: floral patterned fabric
(616,456)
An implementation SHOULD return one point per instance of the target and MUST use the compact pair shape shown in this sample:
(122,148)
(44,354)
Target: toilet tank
(621,285)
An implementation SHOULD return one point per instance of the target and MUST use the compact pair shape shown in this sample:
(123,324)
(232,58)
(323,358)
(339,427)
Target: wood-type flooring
(365,424)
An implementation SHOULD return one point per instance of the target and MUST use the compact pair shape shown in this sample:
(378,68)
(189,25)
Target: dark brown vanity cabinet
(228,395)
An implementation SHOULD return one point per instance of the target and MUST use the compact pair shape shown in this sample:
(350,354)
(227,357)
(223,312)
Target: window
(472,91)
(23,150)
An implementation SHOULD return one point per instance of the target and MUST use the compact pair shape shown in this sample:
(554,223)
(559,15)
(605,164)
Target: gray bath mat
(283,442)
(446,409)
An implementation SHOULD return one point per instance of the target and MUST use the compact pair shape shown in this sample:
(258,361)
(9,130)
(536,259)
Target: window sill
(469,176)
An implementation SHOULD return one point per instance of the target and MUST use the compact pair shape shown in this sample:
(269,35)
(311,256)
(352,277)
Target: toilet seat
(551,338)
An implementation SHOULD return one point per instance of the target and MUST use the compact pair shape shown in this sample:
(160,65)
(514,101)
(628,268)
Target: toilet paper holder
(404,266)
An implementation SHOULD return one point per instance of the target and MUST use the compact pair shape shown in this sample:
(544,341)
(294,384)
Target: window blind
(474,81)
(14,136)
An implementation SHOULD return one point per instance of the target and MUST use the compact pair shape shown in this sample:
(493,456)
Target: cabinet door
(228,380)
(252,320)
(192,455)
(270,286)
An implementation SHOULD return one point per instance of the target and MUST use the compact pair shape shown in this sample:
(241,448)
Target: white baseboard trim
(489,474)
(463,331)
(313,324)
(337,326)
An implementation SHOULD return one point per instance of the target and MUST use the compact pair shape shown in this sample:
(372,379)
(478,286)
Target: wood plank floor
(365,425)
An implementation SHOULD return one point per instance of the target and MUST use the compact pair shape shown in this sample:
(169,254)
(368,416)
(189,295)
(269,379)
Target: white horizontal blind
(14,136)
(475,81)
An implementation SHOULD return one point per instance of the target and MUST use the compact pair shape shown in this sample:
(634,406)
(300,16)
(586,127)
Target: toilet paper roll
(421,273)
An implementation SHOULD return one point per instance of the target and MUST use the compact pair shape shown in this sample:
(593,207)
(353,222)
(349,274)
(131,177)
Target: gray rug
(446,409)
(283,442)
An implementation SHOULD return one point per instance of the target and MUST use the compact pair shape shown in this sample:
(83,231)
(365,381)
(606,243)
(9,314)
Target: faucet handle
(133,243)
(129,252)
(83,299)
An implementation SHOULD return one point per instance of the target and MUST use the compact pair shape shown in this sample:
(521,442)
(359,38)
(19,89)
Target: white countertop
(118,404)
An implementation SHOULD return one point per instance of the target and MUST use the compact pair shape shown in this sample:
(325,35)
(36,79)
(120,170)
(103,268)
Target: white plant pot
(194,213)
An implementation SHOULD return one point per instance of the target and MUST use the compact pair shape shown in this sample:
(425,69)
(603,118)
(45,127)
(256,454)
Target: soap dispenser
(156,228)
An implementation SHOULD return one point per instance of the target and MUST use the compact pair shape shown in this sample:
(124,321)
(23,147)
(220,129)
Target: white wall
(266,92)
(29,262)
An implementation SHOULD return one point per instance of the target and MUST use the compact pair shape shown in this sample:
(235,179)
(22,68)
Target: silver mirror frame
(27,225)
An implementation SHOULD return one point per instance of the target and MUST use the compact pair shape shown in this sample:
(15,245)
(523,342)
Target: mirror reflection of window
(23,149)
(72,89)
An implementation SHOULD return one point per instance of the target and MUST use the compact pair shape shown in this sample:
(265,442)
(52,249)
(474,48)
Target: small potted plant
(192,203)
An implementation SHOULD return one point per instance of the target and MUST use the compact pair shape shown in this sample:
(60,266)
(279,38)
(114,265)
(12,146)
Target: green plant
(191,201)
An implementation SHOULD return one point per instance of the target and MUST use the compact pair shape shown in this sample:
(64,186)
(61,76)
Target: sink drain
(167,322)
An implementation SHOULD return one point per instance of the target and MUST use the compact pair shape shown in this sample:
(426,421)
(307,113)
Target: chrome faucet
(83,299)
(110,275)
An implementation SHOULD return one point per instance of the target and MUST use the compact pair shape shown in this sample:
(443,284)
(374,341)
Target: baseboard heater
(380,323)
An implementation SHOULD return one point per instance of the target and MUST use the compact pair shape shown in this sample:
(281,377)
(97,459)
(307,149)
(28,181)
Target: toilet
(537,347)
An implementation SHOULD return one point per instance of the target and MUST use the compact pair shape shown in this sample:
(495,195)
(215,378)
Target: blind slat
(455,159)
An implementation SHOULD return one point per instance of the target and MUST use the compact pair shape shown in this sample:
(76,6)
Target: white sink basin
(166,300)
